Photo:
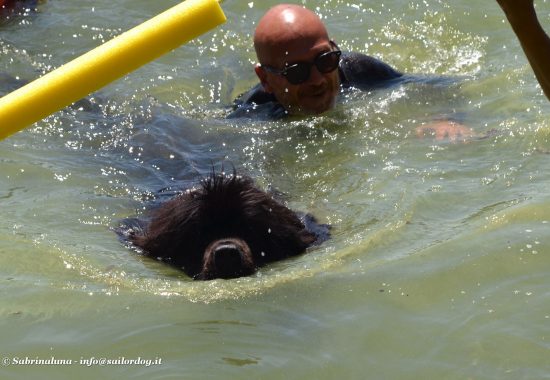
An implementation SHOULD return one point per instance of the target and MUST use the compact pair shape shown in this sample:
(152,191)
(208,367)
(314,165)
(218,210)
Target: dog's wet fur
(225,228)
(18,7)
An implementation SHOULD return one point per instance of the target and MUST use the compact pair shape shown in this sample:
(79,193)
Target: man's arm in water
(534,41)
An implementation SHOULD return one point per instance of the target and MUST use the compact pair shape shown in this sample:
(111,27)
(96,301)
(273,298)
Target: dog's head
(226,228)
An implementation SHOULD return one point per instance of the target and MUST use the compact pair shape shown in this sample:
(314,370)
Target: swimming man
(301,71)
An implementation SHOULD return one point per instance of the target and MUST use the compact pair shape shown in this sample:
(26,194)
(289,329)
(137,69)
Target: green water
(438,267)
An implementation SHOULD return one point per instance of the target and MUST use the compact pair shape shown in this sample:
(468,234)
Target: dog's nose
(228,257)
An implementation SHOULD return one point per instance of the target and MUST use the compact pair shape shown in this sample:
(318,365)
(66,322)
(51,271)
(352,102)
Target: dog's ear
(321,232)
(307,237)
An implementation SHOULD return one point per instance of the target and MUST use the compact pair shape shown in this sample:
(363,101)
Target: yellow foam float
(106,63)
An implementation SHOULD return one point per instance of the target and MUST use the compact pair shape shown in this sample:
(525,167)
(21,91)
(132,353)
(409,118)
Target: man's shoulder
(364,72)
(257,103)
(255,95)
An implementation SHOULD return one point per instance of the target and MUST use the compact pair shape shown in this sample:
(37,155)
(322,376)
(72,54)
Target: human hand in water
(445,130)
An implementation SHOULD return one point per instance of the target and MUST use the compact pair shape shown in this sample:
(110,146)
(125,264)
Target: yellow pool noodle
(102,65)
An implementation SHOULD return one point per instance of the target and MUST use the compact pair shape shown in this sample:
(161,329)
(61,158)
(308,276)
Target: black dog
(226,228)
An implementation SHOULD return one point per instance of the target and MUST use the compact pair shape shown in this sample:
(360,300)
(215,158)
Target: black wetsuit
(356,70)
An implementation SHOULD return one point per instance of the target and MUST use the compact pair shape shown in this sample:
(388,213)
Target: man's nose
(316,77)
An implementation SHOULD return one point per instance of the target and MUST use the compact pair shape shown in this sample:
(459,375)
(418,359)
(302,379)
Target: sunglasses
(298,73)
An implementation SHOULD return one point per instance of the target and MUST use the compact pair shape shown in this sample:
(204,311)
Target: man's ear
(260,72)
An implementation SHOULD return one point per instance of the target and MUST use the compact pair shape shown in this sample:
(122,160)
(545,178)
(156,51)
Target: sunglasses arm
(262,75)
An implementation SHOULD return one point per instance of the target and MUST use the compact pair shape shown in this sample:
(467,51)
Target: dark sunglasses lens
(328,62)
(325,63)
(298,73)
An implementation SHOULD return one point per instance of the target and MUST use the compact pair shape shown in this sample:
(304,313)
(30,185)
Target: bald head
(291,36)
(286,24)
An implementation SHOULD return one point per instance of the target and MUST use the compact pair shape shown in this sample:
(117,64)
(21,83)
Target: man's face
(314,96)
